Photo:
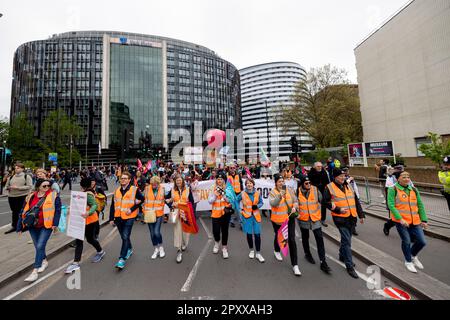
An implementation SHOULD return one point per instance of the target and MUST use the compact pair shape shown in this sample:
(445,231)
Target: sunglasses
(307,183)
(45,186)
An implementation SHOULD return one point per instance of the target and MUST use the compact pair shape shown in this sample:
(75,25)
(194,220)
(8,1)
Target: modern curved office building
(125,88)
(265,88)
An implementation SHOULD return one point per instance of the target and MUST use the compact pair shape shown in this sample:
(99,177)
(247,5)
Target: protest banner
(76,223)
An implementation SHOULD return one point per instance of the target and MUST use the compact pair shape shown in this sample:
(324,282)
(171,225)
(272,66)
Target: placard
(75,222)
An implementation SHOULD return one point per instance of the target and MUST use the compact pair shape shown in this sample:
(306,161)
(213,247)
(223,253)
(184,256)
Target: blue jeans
(40,237)
(345,250)
(412,234)
(155,231)
(125,227)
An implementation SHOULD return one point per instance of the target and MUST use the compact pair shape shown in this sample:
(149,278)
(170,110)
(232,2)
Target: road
(201,275)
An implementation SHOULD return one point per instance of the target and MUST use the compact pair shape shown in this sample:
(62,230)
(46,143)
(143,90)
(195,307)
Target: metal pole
(70,161)
(267,123)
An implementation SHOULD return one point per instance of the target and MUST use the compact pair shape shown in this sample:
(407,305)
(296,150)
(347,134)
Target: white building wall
(404,76)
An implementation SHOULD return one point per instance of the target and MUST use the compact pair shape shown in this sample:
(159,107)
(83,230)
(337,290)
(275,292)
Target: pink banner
(282,238)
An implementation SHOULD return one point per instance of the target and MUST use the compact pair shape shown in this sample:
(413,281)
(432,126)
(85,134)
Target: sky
(243,32)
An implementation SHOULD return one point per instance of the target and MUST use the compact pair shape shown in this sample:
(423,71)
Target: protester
(124,208)
(345,208)
(220,214)
(251,203)
(283,203)
(320,179)
(47,204)
(90,231)
(180,194)
(42,174)
(444,178)
(408,212)
(154,200)
(352,184)
(19,186)
(309,200)
(67,179)
(391,180)
(238,186)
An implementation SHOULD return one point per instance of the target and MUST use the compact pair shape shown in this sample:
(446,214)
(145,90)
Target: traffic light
(294,144)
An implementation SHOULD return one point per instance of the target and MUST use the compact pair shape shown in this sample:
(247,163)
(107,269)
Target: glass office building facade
(122,87)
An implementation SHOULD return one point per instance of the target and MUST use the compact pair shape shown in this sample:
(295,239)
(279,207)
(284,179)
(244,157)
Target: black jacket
(340,221)
(318,179)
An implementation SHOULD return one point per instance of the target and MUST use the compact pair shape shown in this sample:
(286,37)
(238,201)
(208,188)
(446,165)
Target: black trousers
(319,241)
(291,240)
(16,205)
(221,224)
(90,234)
(67,182)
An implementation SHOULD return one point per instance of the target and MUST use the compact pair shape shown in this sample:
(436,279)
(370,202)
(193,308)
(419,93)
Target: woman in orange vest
(251,217)
(236,182)
(48,203)
(345,210)
(220,213)
(90,230)
(154,200)
(408,213)
(283,203)
(180,194)
(123,212)
(309,200)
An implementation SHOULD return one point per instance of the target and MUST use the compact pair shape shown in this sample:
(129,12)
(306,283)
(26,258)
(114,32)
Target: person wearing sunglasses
(309,200)
(123,212)
(49,204)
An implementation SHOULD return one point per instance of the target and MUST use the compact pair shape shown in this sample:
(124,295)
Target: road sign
(379,149)
(53,157)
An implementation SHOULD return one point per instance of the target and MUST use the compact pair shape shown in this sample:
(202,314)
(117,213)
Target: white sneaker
(155,253)
(225,253)
(278,256)
(72,267)
(44,266)
(162,254)
(260,257)
(32,277)
(410,267)
(216,248)
(297,271)
(417,263)
(179,257)
(251,254)
(183,248)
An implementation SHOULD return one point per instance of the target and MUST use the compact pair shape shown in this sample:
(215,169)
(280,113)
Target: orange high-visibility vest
(48,209)
(155,203)
(280,212)
(122,204)
(343,200)
(407,207)
(309,208)
(236,183)
(218,206)
(247,206)
(93,217)
(184,196)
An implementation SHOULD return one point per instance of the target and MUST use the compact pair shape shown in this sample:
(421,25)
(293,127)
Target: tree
(4,130)
(436,150)
(325,106)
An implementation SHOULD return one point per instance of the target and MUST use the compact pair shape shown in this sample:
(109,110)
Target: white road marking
(5,212)
(187,285)
(5,226)
(28,287)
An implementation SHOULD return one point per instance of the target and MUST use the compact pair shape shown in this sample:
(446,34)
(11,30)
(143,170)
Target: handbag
(31,216)
(62,226)
(150,216)
(173,216)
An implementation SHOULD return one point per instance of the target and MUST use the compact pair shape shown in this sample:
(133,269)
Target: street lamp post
(267,124)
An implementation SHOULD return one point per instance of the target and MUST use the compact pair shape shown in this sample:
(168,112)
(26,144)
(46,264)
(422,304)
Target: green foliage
(436,150)
(321,155)
(57,129)
(4,130)
(325,106)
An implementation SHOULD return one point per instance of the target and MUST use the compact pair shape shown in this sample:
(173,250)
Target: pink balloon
(216,138)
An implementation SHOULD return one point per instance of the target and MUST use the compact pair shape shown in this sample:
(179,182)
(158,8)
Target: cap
(222,175)
(337,172)
(303,179)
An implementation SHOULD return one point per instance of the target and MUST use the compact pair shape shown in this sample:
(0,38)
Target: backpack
(100,200)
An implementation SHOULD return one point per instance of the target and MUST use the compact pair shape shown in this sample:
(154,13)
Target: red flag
(139,164)
(188,221)
(248,173)
(148,166)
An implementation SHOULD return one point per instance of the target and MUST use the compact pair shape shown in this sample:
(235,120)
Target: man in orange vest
(309,200)
(345,209)
(238,186)
(124,209)
(408,213)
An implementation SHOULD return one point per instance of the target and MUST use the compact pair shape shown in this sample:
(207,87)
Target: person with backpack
(90,231)
(101,200)
(40,216)
(408,213)
(19,186)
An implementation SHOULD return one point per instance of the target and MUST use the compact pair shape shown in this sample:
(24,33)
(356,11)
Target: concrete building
(404,76)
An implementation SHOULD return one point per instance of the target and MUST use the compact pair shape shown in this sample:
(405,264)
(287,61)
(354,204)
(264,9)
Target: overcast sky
(243,32)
